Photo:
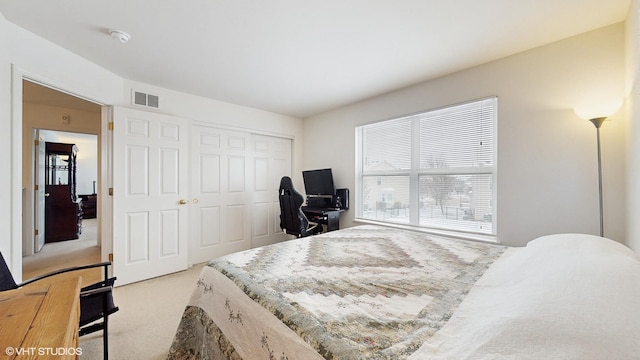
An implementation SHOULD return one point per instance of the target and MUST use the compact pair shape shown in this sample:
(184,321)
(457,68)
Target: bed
(371,292)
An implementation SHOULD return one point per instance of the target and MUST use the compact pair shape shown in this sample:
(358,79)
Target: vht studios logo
(42,351)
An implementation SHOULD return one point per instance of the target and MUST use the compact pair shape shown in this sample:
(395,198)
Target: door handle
(46,194)
(182,202)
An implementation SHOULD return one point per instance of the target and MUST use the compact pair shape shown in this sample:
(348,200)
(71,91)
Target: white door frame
(13,255)
(38,203)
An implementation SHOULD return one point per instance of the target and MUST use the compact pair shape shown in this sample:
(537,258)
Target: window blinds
(388,145)
(433,169)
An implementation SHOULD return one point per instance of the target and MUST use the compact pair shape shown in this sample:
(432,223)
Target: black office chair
(96,301)
(292,219)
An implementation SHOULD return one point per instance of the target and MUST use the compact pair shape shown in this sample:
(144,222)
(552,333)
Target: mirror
(57,169)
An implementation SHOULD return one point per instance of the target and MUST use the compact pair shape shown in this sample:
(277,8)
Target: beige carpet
(148,318)
(62,254)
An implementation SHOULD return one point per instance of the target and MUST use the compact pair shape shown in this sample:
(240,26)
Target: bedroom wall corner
(547,164)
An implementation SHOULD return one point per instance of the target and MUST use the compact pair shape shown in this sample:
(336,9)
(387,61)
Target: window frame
(415,172)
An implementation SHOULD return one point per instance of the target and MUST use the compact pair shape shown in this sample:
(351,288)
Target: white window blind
(434,169)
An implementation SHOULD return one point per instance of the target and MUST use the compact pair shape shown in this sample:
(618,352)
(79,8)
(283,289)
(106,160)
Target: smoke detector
(121,36)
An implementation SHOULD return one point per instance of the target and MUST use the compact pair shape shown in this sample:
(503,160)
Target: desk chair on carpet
(292,219)
(96,301)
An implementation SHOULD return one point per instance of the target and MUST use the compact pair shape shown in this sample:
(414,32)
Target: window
(435,169)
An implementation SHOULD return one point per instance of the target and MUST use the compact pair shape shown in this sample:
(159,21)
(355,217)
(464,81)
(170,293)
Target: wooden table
(40,321)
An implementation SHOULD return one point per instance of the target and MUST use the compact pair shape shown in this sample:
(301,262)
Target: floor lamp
(597,122)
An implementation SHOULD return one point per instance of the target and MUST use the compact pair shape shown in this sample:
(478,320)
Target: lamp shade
(598,110)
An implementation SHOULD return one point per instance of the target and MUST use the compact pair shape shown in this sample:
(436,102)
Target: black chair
(292,219)
(96,301)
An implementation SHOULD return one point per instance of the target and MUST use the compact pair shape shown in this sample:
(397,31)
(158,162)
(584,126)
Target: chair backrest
(292,219)
(6,279)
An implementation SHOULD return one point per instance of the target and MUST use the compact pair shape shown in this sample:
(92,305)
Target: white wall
(547,165)
(6,202)
(633,110)
(26,54)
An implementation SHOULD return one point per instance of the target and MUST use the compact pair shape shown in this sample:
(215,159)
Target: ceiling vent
(148,100)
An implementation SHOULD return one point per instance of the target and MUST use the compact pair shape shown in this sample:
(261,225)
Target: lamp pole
(597,122)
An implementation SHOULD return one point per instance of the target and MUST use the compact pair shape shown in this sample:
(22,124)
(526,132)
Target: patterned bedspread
(366,292)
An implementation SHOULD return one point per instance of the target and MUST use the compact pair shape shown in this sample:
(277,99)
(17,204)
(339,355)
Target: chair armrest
(65,270)
(96,291)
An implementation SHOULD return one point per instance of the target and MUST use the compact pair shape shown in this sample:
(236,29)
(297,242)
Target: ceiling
(302,57)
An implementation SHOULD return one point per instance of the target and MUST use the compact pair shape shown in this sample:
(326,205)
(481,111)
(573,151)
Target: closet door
(234,190)
(271,161)
(220,193)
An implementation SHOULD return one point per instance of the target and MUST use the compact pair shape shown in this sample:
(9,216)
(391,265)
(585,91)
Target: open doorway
(54,117)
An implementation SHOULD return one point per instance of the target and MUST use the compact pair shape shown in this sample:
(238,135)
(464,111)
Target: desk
(329,217)
(89,203)
(40,321)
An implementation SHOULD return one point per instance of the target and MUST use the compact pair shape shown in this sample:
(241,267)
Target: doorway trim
(19,74)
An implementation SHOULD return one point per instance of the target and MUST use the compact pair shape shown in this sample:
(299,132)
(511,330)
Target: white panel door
(220,192)
(150,188)
(271,158)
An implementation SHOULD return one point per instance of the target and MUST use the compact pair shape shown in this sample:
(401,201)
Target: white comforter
(562,297)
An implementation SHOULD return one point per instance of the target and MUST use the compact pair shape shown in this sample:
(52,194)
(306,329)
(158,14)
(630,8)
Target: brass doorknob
(182,201)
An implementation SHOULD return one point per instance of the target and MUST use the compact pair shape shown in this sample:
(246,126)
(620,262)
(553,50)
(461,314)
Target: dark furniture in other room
(63,209)
(89,203)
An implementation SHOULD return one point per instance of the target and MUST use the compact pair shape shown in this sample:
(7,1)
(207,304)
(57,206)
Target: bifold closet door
(234,190)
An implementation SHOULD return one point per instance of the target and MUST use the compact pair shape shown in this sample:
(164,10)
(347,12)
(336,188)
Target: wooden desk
(40,321)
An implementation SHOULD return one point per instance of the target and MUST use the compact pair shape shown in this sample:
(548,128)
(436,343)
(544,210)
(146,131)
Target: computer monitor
(318,183)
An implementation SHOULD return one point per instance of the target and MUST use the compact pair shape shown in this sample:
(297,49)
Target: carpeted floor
(148,318)
(62,254)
